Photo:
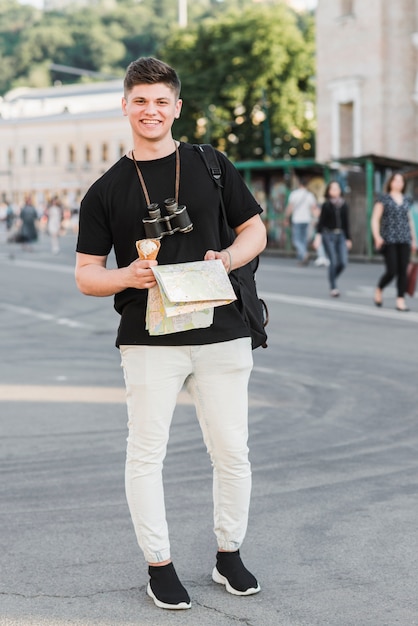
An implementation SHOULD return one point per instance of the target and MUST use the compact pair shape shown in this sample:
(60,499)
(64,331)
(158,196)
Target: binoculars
(176,220)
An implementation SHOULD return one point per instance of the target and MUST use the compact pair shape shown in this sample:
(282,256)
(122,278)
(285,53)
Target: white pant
(216,375)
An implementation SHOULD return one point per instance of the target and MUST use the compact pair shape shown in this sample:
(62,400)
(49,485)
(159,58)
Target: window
(24,156)
(87,155)
(105,152)
(346,121)
(40,155)
(71,154)
(55,154)
(347,7)
(10,157)
(346,113)
(121,149)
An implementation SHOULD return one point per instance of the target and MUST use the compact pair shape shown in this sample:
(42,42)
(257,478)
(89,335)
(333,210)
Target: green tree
(15,19)
(141,30)
(246,69)
(247,82)
(97,44)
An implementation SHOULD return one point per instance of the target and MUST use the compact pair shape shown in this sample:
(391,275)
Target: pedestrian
(10,215)
(55,216)
(394,236)
(333,231)
(28,219)
(321,258)
(3,220)
(300,209)
(214,363)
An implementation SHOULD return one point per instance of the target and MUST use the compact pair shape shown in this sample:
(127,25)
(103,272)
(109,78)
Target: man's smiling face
(151,110)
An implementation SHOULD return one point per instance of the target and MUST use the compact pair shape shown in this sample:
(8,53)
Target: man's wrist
(229,259)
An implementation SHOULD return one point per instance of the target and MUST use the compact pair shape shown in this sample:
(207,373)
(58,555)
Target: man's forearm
(93,280)
(250,242)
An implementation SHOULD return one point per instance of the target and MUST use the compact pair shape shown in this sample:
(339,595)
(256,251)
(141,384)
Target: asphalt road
(333,533)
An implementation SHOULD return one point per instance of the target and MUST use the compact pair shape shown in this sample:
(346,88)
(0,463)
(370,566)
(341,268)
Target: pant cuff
(229,546)
(157,557)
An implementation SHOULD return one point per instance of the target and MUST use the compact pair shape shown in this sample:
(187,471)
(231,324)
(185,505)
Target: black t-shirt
(111,215)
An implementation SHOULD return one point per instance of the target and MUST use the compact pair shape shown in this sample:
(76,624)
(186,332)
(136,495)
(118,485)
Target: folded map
(185,296)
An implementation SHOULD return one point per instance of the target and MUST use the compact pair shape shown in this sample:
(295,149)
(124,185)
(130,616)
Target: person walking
(321,258)
(300,209)
(28,219)
(214,363)
(10,216)
(394,236)
(3,219)
(55,216)
(333,231)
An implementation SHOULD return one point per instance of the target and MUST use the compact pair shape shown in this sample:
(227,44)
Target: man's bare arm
(251,239)
(93,278)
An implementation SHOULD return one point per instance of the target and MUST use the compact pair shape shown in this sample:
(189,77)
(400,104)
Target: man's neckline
(130,153)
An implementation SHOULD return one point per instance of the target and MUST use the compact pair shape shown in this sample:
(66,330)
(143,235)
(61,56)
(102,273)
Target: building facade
(367,79)
(59,140)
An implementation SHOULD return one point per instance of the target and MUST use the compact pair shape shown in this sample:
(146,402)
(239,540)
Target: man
(301,207)
(214,363)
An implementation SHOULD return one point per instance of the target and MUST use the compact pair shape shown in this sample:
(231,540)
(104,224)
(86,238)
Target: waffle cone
(146,249)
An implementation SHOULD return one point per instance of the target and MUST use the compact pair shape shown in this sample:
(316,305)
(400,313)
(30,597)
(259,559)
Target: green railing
(371,165)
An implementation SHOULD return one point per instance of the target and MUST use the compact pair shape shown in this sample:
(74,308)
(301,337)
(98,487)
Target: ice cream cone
(148,248)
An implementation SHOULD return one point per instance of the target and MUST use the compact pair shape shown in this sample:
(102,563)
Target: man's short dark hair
(148,70)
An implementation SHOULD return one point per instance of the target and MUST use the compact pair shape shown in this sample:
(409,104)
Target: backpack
(252,308)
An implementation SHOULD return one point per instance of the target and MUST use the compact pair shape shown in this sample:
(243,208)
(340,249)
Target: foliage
(247,82)
(246,68)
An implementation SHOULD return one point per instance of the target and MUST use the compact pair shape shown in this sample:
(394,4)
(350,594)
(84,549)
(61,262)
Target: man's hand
(140,275)
(224,255)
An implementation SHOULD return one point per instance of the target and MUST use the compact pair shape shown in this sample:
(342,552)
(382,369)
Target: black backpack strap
(208,155)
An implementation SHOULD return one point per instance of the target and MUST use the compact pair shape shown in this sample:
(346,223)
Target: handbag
(253,309)
(411,277)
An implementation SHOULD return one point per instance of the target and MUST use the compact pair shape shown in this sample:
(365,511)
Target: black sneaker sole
(164,605)
(218,578)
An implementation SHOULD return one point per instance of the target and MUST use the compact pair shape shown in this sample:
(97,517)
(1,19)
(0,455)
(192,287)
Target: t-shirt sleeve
(94,234)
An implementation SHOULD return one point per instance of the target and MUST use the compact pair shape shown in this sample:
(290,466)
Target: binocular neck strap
(142,181)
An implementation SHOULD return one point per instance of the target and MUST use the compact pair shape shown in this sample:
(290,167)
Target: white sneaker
(321,262)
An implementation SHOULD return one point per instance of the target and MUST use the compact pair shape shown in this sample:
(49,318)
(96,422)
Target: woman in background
(394,235)
(333,231)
